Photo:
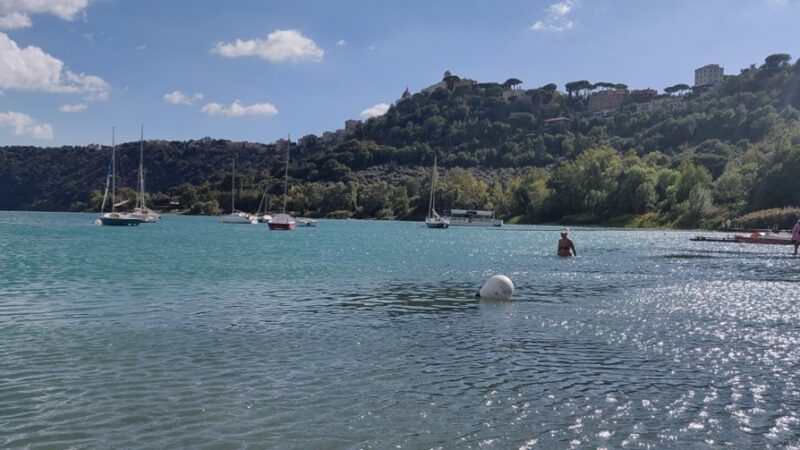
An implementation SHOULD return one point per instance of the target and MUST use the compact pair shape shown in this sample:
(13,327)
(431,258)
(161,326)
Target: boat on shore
(472,218)
(284,221)
(764,238)
(433,219)
(114,218)
(236,217)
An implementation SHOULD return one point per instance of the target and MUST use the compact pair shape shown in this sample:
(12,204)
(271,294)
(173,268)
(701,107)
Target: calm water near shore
(365,334)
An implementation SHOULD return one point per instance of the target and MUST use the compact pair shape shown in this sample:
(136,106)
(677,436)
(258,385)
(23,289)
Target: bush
(783,218)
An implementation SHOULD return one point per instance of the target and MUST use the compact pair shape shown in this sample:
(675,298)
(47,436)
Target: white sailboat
(115,218)
(141,210)
(263,218)
(284,221)
(236,216)
(434,220)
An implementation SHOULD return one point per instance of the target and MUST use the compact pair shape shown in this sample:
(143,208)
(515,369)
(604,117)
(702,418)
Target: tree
(511,82)
(777,61)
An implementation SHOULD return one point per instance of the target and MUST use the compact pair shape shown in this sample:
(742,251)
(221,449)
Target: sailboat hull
(439,225)
(282,226)
(120,220)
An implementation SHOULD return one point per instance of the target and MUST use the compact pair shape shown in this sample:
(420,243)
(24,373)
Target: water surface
(359,334)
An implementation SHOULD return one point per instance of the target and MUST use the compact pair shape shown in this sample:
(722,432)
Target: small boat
(114,218)
(305,222)
(434,220)
(141,210)
(237,216)
(763,238)
(472,218)
(284,221)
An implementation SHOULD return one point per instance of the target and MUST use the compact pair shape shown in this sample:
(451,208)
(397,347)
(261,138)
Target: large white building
(711,74)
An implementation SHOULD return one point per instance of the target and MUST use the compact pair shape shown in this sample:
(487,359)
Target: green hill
(687,158)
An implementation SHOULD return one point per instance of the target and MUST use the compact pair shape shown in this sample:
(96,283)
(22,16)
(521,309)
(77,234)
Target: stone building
(711,74)
(607,101)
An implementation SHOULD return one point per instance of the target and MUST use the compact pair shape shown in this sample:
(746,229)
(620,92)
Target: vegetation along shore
(683,158)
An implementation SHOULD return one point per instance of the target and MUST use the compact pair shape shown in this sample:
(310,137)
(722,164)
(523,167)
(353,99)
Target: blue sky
(255,70)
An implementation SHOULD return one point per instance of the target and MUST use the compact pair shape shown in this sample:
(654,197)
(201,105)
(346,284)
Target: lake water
(359,334)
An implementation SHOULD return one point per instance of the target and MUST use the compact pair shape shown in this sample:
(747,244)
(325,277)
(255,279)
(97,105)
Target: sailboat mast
(140,200)
(286,173)
(113,170)
(233,185)
(433,186)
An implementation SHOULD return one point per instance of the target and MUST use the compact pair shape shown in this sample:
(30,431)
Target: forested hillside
(702,156)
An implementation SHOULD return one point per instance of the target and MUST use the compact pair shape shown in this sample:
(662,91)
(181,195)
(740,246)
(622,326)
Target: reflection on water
(189,333)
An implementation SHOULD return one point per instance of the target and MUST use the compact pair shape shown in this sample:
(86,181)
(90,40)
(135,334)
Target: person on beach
(796,236)
(565,245)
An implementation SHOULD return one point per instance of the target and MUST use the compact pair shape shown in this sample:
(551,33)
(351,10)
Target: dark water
(192,334)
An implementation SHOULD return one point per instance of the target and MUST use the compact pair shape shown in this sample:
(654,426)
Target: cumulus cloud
(557,18)
(375,111)
(24,125)
(280,45)
(179,98)
(73,108)
(16,13)
(31,69)
(236,109)
(341,43)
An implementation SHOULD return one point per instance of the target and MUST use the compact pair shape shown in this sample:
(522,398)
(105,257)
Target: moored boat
(141,210)
(434,220)
(472,218)
(763,238)
(115,218)
(306,222)
(284,221)
(237,216)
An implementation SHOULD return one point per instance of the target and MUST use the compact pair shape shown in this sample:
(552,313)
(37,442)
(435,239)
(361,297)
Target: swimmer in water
(565,245)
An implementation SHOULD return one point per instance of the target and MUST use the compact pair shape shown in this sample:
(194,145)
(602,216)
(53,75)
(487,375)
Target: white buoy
(498,287)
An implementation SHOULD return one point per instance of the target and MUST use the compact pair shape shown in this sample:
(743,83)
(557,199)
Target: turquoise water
(358,334)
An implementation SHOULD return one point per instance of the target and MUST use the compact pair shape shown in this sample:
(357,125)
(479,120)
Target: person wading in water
(565,245)
(796,236)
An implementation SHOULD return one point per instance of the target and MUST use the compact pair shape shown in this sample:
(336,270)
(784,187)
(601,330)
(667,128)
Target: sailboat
(264,218)
(236,216)
(141,210)
(284,221)
(434,220)
(115,218)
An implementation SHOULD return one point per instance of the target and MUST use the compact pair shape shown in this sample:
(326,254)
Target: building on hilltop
(351,125)
(711,74)
(642,95)
(515,94)
(450,82)
(607,101)
(662,102)
(406,94)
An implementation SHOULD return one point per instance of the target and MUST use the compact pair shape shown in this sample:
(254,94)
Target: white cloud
(73,108)
(179,98)
(16,13)
(236,109)
(14,20)
(341,43)
(24,125)
(375,111)
(557,18)
(31,69)
(280,45)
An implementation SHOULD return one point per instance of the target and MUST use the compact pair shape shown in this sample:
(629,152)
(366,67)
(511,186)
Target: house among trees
(607,101)
(557,124)
(449,82)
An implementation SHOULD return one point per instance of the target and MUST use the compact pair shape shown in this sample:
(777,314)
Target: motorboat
(306,222)
(764,238)
(282,222)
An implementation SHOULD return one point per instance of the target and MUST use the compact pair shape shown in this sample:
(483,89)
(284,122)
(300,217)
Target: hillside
(685,158)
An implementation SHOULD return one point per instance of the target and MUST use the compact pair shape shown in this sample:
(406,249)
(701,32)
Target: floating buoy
(97,222)
(498,287)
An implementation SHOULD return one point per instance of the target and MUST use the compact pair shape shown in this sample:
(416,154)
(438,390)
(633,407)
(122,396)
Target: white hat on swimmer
(564,230)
